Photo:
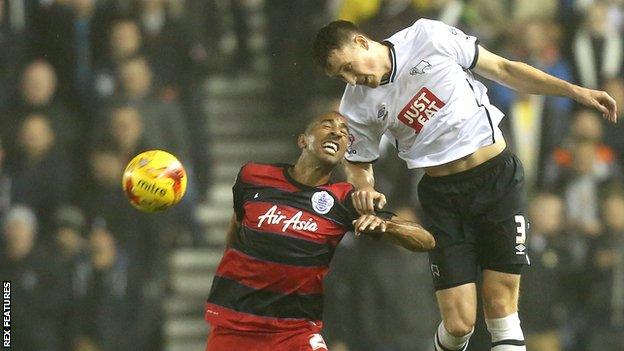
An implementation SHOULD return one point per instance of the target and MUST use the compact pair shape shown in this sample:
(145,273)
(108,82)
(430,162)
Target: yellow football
(154,181)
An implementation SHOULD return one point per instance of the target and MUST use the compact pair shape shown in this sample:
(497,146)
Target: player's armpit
(398,231)
(232,230)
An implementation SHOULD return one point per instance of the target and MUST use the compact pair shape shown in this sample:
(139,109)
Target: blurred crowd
(86,84)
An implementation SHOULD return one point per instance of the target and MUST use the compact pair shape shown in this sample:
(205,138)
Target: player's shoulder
(340,190)
(420,26)
(250,170)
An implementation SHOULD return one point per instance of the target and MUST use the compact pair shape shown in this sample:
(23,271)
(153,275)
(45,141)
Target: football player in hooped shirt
(417,88)
(267,292)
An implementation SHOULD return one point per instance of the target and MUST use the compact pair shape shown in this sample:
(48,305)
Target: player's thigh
(453,261)
(499,218)
(458,308)
(223,339)
(500,292)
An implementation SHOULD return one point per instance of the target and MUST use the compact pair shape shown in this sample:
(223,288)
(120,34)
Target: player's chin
(373,83)
(332,160)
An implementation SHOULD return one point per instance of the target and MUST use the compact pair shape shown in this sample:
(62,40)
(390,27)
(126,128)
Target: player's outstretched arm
(527,79)
(365,198)
(398,231)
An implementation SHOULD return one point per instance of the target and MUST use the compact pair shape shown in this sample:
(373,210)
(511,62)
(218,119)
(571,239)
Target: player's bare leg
(458,307)
(500,305)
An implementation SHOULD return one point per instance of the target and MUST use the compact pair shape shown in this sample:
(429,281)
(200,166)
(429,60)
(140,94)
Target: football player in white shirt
(417,88)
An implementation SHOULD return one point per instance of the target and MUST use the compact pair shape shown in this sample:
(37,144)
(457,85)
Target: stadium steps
(241,128)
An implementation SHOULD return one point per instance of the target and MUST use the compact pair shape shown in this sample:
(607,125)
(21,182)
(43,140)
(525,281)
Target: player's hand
(600,101)
(369,223)
(366,201)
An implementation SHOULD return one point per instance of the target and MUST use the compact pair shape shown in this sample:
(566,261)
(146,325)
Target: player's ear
(362,41)
(302,141)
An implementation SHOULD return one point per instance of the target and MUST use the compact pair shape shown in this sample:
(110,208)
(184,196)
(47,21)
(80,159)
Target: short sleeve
(364,135)
(452,42)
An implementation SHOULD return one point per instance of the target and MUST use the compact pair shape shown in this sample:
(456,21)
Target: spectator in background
(126,130)
(71,34)
(124,41)
(544,300)
(581,186)
(586,126)
(605,305)
(537,124)
(166,45)
(42,175)
(36,290)
(104,312)
(69,231)
(37,94)
(597,47)
(164,122)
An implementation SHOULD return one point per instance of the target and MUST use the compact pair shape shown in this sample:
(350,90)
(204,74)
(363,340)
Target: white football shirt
(432,108)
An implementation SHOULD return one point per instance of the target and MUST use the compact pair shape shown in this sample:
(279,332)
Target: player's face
(355,64)
(328,138)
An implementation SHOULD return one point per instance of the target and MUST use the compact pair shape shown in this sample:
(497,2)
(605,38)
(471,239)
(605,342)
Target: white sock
(444,341)
(506,333)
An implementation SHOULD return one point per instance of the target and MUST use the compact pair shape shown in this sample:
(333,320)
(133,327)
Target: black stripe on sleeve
(282,249)
(231,294)
(508,342)
(476,55)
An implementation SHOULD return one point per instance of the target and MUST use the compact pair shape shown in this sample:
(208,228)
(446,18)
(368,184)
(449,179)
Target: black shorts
(478,218)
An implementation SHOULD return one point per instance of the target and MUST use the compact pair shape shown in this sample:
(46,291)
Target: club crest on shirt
(382,111)
(421,68)
(322,202)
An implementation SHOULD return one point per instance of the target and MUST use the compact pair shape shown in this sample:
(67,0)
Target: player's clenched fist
(366,201)
(369,223)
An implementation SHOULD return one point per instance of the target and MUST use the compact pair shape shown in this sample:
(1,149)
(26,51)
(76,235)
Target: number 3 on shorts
(521,237)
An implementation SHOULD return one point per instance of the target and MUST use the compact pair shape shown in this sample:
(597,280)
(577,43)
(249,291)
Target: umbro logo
(421,68)
(382,111)
(435,270)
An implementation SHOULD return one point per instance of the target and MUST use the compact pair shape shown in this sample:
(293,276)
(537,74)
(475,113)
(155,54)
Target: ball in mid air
(154,181)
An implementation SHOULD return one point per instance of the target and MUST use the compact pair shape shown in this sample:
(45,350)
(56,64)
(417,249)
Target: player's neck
(310,174)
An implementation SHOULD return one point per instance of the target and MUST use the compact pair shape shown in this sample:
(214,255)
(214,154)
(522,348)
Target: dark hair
(332,37)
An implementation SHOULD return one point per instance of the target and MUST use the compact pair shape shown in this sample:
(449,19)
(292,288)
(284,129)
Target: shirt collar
(393,62)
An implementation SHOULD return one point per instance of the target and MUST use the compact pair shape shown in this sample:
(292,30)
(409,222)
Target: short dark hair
(332,37)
